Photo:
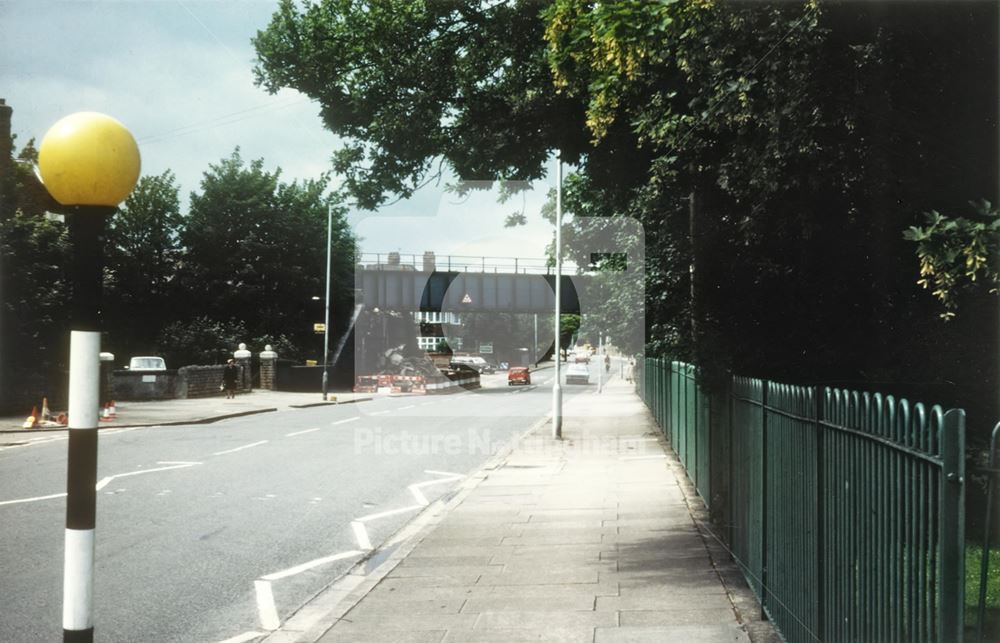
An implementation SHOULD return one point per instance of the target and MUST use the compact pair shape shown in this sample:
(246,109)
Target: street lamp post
(326,314)
(89,163)
(556,385)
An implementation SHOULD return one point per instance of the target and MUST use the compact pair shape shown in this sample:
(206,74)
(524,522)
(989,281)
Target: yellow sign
(319,328)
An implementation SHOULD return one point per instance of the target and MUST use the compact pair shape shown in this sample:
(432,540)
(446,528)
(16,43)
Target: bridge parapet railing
(420,262)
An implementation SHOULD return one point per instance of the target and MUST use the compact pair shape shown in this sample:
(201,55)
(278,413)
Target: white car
(577,374)
(147,364)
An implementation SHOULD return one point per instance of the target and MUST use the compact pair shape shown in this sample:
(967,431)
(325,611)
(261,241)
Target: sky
(179,75)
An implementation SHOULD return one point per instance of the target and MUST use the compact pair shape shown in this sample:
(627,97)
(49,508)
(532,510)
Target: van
(478,363)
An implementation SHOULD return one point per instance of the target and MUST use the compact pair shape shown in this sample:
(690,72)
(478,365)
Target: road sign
(486,348)
(467,299)
(319,328)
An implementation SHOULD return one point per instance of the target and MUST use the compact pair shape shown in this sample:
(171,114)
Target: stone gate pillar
(242,356)
(268,369)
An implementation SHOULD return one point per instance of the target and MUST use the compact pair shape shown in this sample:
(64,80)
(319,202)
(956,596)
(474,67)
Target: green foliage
(201,340)
(956,252)
(466,84)
(973,565)
(35,296)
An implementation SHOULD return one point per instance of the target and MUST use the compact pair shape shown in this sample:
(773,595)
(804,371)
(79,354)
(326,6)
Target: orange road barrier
(31,420)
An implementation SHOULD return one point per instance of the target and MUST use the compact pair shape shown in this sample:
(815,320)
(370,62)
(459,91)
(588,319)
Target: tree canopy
(774,152)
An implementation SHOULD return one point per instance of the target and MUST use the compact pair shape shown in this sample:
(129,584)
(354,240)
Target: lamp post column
(557,385)
(89,163)
(86,225)
(326,313)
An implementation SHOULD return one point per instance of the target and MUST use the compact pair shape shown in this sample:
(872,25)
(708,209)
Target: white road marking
(391,512)
(35,499)
(288,435)
(361,535)
(421,498)
(243,638)
(643,457)
(415,488)
(379,412)
(347,420)
(411,406)
(265,605)
(298,569)
(245,446)
(105,481)
(447,474)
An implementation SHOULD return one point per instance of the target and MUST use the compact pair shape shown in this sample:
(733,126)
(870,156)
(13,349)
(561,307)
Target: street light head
(89,159)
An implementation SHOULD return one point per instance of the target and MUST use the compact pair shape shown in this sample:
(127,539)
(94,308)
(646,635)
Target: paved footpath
(592,538)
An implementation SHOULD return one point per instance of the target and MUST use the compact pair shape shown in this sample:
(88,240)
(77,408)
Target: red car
(518,375)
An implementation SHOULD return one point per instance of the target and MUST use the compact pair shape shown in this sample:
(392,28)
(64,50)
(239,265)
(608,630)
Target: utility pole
(326,314)
(557,386)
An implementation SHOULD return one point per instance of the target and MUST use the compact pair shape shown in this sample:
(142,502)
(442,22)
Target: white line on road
(391,512)
(244,637)
(245,446)
(421,498)
(411,406)
(265,605)
(415,488)
(298,569)
(347,420)
(174,465)
(379,412)
(288,435)
(361,535)
(20,500)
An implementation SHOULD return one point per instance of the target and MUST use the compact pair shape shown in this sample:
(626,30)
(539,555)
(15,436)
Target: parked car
(147,364)
(477,363)
(518,375)
(577,374)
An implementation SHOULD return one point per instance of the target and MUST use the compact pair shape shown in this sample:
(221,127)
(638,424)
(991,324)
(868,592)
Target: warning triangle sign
(467,299)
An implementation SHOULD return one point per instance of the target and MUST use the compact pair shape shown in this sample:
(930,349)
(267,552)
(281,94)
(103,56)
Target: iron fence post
(984,566)
(952,525)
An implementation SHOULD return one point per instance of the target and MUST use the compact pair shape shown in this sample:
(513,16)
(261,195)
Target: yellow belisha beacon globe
(89,158)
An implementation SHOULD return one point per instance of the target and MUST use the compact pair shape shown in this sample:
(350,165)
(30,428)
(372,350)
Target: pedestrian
(230,375)
(607,364)
(630,371)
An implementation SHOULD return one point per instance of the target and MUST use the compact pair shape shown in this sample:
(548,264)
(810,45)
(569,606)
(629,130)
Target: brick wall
(203,381)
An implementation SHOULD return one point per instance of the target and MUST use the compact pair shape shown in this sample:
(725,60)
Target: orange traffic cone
(111,410)
(31,420)
(46,414)
(106,413)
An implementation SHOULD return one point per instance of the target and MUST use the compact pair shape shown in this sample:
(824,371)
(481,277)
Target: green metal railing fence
(845,509)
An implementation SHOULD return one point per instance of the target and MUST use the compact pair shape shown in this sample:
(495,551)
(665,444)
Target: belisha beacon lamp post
(89,163)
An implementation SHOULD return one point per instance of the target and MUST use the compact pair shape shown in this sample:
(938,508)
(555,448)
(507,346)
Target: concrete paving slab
(542,620)
(565,635)
(688,616)
(553,602)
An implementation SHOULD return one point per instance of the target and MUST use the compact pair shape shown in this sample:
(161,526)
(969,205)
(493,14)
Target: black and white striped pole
(89,163)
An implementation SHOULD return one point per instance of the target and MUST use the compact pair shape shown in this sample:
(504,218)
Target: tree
(142,252)
(34,255)
(254,251)
(467,85)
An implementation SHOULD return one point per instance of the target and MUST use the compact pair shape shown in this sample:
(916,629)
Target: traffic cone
(31,420)
(106,413)
(46,414)
(111,410)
